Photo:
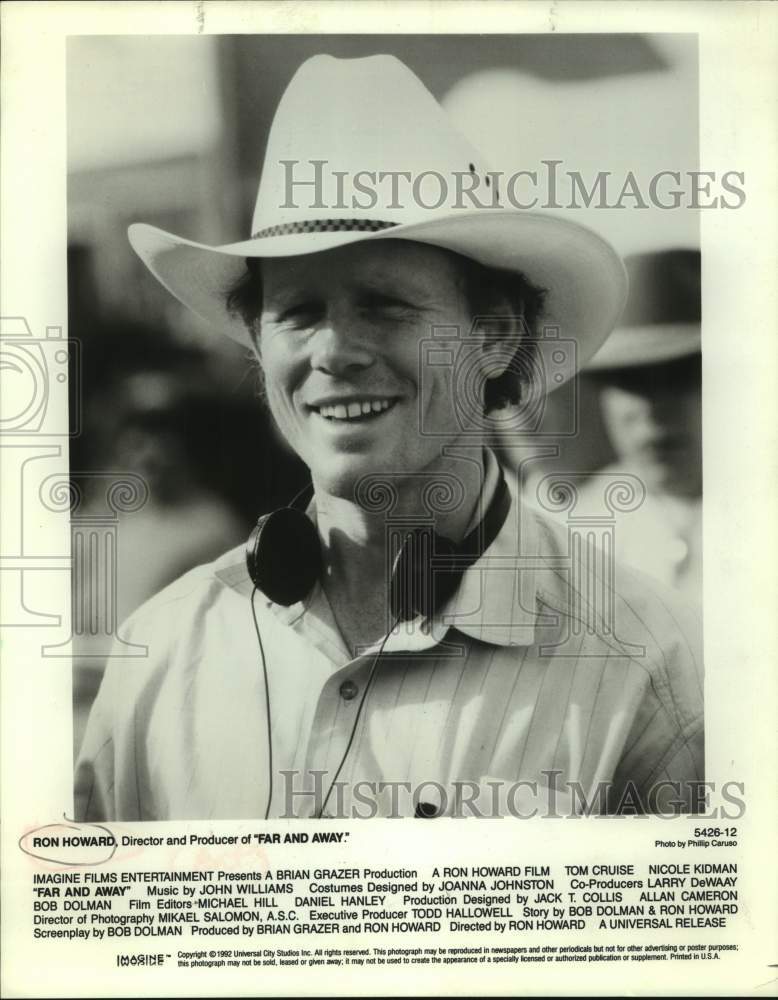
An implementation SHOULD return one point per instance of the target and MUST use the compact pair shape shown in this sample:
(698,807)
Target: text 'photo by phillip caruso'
(443,622)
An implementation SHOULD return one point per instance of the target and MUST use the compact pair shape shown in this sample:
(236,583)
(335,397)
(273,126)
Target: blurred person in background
(207,460)
(648,376)
(158,425)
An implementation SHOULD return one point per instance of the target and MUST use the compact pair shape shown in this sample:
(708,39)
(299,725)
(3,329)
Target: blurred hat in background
(661,321)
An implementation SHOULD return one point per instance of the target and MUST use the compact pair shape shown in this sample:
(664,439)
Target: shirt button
(348,690)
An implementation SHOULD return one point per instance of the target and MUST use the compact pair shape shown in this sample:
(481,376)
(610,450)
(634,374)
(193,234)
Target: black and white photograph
(387,434)
(463,411)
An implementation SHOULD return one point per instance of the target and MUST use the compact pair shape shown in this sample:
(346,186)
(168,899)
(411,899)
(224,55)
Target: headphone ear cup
(283,556)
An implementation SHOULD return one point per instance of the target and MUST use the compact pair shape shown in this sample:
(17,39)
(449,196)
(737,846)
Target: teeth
(349,411)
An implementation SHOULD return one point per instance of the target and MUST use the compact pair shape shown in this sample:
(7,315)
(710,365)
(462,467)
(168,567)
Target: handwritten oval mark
(70,843)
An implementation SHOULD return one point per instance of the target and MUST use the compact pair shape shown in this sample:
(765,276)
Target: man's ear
(501,330)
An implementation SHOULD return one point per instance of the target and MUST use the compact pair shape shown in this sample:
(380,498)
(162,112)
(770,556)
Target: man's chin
(364,478)
(342,479)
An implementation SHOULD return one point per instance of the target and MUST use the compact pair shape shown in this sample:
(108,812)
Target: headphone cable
(268,714)
(362,701)
(267,705)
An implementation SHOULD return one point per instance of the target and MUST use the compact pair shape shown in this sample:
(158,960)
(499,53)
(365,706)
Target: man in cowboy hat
(321,677)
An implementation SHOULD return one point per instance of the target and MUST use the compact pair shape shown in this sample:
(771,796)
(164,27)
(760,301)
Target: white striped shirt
(544,676)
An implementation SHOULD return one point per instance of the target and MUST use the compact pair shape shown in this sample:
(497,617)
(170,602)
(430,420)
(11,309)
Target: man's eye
(388,306)
(299,315)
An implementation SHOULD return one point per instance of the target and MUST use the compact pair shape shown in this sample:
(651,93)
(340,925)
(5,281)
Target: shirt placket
(335,721)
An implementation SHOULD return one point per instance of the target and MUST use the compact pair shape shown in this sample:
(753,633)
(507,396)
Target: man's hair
(485,288)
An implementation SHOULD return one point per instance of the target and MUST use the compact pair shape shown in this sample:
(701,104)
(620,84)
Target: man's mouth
(355,409)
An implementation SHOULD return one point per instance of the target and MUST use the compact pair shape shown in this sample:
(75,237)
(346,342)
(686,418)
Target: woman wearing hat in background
(409,634)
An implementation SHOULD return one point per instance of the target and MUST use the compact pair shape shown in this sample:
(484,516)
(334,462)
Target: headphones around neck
(284,559)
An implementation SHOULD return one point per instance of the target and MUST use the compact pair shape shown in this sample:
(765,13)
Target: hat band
(324,226)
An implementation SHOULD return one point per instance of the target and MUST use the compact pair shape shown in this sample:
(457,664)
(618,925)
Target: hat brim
(584,277)
(631,346)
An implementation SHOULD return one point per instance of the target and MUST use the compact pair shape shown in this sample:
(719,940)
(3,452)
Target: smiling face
(339,343)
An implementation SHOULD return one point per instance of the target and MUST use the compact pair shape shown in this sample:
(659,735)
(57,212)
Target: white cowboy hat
(357,125)
(662,319)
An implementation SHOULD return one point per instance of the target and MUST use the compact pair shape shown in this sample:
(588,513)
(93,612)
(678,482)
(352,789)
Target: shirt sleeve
(107,783)
(663,767)
(124,769)
(94,784)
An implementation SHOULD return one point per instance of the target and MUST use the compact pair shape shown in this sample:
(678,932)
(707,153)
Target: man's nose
(340,344)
